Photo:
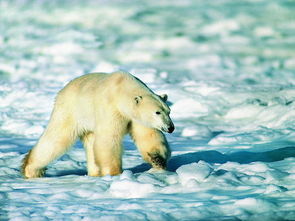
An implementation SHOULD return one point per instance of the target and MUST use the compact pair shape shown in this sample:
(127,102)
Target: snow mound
(195,171)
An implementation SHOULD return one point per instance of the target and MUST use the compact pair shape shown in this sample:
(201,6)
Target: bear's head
(152,111)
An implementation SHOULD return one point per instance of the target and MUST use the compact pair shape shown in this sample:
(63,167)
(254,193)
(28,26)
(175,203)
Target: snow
(193,172)
(228,69)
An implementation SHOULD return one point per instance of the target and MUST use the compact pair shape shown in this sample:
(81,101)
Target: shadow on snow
(242,157)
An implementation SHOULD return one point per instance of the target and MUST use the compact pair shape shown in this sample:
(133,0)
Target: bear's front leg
(152,144)
(108,155)
(157,160)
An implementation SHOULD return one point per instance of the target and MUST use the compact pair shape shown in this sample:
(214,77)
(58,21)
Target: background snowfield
(228,69)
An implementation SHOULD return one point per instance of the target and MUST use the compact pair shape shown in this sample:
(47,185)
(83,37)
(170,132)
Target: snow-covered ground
(228,69)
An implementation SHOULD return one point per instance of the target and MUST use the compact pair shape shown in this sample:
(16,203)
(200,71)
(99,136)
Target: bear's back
(98,84)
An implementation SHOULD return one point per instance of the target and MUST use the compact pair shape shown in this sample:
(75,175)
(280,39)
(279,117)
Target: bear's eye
(158,112)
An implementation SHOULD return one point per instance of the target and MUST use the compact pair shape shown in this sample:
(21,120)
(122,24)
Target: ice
(149,178)
(228,69)
(245,111)
(196,131)
(264,31)
(255,205)
(190,106)
(195,171)
(221,27)
(274,189)
(125,188)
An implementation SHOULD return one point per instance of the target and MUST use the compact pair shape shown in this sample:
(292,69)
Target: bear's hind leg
(59,135)
(108,153)
(88,141)
(152,145)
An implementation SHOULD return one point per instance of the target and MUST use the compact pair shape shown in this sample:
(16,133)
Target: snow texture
(228,68)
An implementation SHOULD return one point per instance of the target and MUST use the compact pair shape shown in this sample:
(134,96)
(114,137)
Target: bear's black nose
(171,128)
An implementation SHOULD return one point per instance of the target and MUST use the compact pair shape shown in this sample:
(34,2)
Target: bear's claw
(157,160)
(27,173)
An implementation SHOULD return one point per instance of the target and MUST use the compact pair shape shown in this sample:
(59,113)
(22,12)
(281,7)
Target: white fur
(100,109)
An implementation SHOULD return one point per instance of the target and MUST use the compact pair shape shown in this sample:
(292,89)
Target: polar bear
(100,108)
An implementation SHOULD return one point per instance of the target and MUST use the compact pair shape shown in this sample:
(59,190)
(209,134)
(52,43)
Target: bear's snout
(171,128)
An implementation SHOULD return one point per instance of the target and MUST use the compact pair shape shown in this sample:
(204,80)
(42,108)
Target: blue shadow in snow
(242,157)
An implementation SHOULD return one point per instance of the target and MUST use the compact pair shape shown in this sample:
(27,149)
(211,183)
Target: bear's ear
(164,97)
(137,99)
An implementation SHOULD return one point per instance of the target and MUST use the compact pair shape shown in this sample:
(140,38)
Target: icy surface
(228,68)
